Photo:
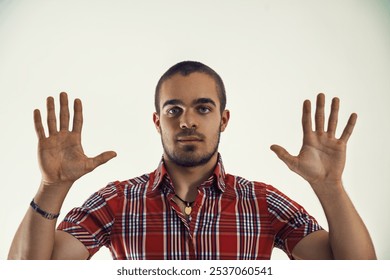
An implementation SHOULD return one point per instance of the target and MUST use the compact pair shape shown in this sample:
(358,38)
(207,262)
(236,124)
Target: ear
(225,119)
(156,120)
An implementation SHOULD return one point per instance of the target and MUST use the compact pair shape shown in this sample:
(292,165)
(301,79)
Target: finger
(285,156)
(100,159)
(319,115)
(333,117)
(38,124)
(64,111)
(78,116)
(306,117)
(51,116)
(349,128)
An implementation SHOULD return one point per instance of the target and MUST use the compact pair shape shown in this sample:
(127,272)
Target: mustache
(190,132)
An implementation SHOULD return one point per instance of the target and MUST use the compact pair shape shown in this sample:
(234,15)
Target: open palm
(61,156)
(322,156)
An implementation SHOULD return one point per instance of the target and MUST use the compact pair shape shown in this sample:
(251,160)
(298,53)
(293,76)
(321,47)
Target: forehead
(188,88)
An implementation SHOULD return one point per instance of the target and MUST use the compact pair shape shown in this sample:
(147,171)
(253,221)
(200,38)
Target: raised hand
(61,156)
(321,159)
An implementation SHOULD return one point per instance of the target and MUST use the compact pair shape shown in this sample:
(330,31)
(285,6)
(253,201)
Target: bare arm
(321,162)
(62,161)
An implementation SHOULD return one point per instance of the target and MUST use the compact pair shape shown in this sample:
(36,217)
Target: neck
(186,179)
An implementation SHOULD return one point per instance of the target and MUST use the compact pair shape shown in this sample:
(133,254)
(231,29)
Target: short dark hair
(186,68)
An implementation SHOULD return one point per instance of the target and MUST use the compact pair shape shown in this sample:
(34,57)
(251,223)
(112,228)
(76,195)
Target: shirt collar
(218,174)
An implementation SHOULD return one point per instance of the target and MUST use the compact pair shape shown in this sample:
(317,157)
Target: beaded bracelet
(43,213)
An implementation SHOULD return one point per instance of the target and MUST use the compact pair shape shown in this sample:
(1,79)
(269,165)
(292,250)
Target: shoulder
(240,185)
(121,188)
(114,193)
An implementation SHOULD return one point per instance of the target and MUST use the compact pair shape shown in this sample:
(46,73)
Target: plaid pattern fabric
(232,218)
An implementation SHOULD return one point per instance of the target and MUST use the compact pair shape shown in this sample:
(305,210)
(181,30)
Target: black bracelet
(43,213)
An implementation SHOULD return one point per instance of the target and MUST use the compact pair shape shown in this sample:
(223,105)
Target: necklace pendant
(188,210)
(187,207)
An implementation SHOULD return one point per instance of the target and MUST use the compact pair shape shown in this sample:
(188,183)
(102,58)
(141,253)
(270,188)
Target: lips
(189,139)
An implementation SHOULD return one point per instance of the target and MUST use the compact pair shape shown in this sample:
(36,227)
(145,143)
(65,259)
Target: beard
(188,156)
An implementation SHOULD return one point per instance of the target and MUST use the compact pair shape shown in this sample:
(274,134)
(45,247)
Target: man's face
(190,120)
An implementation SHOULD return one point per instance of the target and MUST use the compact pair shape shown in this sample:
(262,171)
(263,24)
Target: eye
(204,110)
(173,111)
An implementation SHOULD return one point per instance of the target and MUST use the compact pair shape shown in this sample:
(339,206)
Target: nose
(188,121)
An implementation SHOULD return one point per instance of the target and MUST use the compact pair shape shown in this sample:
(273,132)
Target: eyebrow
(202,100)
(172,102)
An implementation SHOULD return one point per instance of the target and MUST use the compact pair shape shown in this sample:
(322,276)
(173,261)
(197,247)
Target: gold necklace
(188,205)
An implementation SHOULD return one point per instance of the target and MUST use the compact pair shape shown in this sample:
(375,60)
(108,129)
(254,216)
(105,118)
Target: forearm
(34,239)
(348,235)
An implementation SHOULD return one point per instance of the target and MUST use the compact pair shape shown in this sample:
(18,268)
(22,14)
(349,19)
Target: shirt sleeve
(92,223)
(290,220)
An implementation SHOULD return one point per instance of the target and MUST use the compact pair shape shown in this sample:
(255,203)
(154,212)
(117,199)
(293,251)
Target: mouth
(188,139)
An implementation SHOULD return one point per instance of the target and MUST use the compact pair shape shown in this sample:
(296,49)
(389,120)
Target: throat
(186,178)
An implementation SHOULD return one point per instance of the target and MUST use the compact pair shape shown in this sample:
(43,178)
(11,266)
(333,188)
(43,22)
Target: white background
(272,54)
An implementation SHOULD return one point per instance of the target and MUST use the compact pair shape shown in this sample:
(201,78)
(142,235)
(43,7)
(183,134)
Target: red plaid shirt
(231,218)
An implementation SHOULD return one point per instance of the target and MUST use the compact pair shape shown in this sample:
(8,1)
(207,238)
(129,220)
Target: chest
(218,228)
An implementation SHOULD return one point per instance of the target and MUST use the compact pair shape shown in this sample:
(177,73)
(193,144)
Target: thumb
(100,159)
(285,156)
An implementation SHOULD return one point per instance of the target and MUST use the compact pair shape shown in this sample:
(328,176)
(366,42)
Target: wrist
(328,190)
(54,187)
(50,196)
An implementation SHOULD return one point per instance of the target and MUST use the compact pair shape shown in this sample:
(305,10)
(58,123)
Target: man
(189,208)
